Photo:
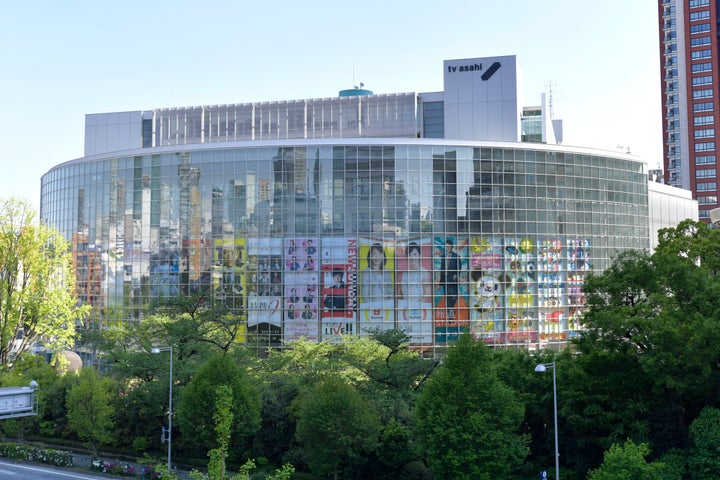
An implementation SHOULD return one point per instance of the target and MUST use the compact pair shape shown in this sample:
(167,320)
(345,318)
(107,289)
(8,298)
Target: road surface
(28,471)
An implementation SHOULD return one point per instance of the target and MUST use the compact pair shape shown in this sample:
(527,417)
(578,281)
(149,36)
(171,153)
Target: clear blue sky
(62,59)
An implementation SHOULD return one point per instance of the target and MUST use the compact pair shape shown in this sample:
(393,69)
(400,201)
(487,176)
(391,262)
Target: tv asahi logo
(474,68)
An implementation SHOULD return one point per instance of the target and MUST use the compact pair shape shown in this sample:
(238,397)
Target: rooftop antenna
(550,99)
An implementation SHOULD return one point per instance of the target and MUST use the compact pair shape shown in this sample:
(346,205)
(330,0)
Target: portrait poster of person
(377,302)
(334,290)
(301,254)
(300,302)
(415,290)
(451,314)
(228,272)
(338,304)
(265,298)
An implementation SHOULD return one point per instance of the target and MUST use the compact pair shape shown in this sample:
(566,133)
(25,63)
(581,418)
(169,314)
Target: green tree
(197,405)
(467,420)
(336,427)
(223,427)
(89,412)
(653,319)
(704,458)
(37,284)
(627,462)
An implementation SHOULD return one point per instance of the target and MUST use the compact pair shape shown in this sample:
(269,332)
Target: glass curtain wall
(317,241)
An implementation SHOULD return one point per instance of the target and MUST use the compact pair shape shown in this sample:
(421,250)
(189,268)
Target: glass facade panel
(316,240)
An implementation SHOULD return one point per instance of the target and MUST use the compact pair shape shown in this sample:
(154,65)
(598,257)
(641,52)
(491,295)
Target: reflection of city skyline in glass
(483,240)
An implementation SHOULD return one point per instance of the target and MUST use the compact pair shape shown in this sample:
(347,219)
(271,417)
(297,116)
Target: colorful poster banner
(521,284)
(376,287)
(450,263)
(264,308)
(229,277)
(487,289)
(301,289)
(414,290)
(551,290)
(339,287)
(578,268)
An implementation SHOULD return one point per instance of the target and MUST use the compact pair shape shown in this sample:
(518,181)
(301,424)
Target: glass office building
(324,217)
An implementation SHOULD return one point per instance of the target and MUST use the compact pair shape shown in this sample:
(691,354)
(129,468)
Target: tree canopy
(37,284)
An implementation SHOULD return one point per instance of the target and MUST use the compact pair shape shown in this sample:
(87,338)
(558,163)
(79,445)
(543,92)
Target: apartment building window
(706,173)
(705,133)
(699,41)
(705,160)
(703,15)
(704,120)
(702,67)
(701,54)
(707,200)
(704,93)
(703,107)
(707,187)
(699,28)
(703,80)
(705,147)
(699,3)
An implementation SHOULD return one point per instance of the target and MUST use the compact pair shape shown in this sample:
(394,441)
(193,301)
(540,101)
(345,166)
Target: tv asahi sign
(481,99)
(474,67)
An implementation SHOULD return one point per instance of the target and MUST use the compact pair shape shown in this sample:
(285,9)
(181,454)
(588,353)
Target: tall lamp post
(170,398)
(542,368)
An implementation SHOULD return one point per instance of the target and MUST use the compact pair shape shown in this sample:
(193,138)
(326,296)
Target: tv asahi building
(437,213)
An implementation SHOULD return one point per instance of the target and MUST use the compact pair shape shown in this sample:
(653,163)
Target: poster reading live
(264,304)
(451,293)
(301,274)
(376,285)
(414,290)
(339,287)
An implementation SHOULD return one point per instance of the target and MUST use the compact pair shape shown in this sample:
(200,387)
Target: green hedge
(29,453)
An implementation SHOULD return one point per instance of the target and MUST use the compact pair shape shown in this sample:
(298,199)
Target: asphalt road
(29,471)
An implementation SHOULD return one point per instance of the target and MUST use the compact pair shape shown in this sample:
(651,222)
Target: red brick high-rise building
(691,96)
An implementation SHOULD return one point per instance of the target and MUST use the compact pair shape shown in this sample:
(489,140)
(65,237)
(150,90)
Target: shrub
(113,468)
(30,453)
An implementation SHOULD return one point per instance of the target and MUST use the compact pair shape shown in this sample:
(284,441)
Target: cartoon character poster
(338,303)
(450,262)
(487,288)
(551,290)
(414,290)
(264,306)
(521,270)
(301,289)
(376,296)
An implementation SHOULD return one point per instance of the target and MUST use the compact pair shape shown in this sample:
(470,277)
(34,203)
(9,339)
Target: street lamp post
(542,368)
(170,399)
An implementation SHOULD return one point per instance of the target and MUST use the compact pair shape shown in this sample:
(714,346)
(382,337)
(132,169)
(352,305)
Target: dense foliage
(37,300)
(637,395)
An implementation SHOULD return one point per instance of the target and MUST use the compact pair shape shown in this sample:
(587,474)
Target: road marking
(49,471)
